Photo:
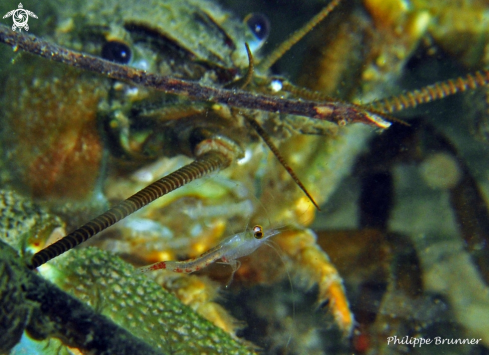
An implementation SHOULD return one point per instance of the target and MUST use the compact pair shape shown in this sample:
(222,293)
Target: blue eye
(116,52)
(259,25)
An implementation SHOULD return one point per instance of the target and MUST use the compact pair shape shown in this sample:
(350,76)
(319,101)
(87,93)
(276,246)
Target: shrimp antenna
(268,61)
(266,138)
(431,93)
(203,165)
(266,211)
(276,248)
(241,83)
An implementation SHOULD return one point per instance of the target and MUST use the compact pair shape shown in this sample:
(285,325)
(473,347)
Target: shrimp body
(228,251)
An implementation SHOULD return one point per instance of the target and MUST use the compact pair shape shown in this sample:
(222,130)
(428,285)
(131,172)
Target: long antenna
(241,83)
(430,93)
(268,61)
(204,165)
(266,138)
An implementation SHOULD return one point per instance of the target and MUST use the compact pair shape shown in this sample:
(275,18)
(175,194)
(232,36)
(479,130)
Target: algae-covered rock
(23,223)
(106,283)
(138,304)
(14,309)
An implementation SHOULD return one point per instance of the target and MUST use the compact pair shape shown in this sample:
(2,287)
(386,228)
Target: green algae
(22,221)
(138,304)
(98,278)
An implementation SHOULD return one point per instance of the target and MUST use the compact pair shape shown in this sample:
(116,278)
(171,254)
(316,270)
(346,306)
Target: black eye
(117,52)
(258,232)
(259,25)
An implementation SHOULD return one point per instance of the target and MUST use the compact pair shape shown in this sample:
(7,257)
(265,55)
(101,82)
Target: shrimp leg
(190,265)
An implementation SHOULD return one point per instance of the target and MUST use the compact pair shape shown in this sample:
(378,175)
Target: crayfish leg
(300,246)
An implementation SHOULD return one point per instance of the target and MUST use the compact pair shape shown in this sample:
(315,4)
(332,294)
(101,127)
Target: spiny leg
(326,111)
(319,96)
(300,246)
(410,99)
(212,154)
(330,111)
(305,93)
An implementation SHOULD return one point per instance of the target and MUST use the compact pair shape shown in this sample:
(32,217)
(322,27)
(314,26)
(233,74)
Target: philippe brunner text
(414,341)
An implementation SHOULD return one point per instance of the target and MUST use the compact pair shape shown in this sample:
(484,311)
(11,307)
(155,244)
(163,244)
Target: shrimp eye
(116,52)
(258,232)
(259,25)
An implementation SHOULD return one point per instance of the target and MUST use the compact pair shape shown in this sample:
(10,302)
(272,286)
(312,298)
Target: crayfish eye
(259,25)
(258,232)
(116,52)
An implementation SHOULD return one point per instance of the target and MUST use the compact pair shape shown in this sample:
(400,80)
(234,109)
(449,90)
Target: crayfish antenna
(205,164)
(431,93)
(268,61)
(241,83)
(266,138)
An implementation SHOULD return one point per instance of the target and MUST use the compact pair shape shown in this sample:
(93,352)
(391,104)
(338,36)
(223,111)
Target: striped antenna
(430,93)
(241,83)
(204,165)
(268,61)
(266,138)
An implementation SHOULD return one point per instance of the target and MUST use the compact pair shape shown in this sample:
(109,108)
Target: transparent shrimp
(228,251)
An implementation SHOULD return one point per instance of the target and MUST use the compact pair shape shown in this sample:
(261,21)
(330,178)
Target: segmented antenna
(266,138)
(204,165)
(241,83)
(268,61)
(305,93)
(430,93)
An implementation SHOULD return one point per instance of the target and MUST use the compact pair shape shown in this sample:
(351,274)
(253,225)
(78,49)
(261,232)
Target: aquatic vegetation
(139,304)
(157,320)
(126,136)
(24,224)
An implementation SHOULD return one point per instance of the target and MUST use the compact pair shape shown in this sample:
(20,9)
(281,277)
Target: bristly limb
(266,138)
(305,93)
(331,111)
(319,96)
